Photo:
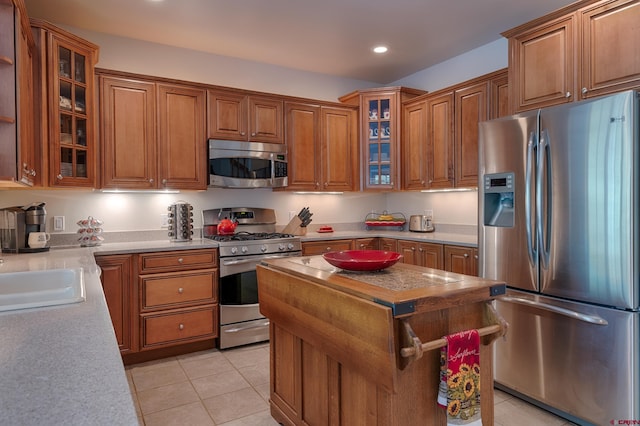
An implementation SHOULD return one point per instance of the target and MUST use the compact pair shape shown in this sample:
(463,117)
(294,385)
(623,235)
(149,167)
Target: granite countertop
(61,364)
(404,288)
(446,236)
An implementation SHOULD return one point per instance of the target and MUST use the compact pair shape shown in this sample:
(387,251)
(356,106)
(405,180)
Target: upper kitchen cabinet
(20,163)
(380,130)
(322,146)
(610,54)
(580,51)
(235,115)
(67,88)
(152,132)
(440,132)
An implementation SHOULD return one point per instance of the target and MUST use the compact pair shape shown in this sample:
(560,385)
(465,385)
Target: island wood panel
(332,321)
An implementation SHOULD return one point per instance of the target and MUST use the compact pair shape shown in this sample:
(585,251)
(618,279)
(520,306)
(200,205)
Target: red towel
(459,390)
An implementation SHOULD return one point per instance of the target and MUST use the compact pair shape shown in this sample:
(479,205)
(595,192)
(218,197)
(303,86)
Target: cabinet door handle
(181,327)
(180,290)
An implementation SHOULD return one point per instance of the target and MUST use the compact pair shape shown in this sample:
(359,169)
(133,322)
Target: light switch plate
(58,223)
(164,220)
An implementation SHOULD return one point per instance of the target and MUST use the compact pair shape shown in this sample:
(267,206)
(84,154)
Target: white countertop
(61,364)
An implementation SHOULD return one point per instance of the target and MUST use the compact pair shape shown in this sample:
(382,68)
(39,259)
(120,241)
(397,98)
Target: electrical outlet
(429,213)
(292,214)
(58,223)
(164,220)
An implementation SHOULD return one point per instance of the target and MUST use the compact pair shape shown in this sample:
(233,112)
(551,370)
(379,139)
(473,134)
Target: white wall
(142,57)
(126,212)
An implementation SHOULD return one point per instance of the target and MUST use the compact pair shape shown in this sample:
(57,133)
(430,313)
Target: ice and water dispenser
(498,199)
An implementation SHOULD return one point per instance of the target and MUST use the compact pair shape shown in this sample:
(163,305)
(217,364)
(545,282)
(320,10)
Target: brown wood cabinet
(119,292)
(319,247)
(67,95)
(20,163)
(152,134)
(388,244)
(178,297)
(440,143)
(380,130)
(429,255)
(366,244)
(235,115)
(462,260)
(322,147)
(577,52)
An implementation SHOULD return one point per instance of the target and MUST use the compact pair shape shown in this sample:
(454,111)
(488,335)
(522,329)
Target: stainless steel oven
(255,239)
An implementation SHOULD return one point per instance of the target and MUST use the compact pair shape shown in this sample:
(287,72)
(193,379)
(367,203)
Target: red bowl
(362,260)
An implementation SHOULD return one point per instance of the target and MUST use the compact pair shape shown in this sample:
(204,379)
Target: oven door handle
(254,260)
(240,328)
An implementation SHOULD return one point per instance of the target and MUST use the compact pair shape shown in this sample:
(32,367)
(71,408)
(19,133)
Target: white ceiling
(326,36)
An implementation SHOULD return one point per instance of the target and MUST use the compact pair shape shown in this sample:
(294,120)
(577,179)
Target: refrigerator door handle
(532,147)
(543,174)
(592,319)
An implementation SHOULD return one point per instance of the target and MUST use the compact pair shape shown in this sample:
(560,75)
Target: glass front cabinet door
(381,147)
(71,99)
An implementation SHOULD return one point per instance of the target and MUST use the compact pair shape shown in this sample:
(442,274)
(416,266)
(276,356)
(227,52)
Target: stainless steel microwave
(234,164)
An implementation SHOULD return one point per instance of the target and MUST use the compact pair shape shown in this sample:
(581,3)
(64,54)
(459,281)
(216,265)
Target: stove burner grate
(249,236)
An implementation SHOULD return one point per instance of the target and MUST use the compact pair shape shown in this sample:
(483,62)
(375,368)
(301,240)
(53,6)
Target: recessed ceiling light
(380,49)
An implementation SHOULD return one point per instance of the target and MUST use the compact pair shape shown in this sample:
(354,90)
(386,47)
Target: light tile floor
(231,388)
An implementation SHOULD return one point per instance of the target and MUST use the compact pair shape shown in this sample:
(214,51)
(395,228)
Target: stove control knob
(290,246)
(234,250)
(263,248)
(244,249)
(281,247)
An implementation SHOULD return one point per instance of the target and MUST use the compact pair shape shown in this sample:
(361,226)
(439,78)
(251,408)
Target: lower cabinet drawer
(179,326)
(172,290)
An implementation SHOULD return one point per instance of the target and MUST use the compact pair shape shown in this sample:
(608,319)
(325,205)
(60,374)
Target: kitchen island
(361,347)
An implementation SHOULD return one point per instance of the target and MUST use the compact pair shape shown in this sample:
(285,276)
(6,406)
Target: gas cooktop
(248,236)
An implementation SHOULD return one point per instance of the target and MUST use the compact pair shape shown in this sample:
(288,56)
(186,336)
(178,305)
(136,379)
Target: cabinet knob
(253,134)
(180,260)
(326,184)
(243,133)
(567,95)
(413,249)
(475,256)
(420,249)
(59,177)
(180,290)
(181,327)
(151,180)
(584,90)
(164,181)
(328,248)
(362,246)
(466,255)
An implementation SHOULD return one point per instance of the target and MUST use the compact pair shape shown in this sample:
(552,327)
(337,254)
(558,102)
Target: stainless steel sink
(33,289)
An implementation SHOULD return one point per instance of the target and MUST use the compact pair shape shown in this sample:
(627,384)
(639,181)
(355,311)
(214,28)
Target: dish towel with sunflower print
(459,389)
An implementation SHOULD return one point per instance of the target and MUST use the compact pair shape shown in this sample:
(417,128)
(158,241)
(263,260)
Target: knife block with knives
(298,224)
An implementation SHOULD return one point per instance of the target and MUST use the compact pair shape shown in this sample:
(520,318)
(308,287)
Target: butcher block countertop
(406,289)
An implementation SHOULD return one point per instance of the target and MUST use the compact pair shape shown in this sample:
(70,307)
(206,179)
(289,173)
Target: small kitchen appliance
(16,223)
(180,221)
(421,223)
(255,238)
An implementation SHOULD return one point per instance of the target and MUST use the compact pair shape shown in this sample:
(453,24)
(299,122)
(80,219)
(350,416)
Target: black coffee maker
(16,223)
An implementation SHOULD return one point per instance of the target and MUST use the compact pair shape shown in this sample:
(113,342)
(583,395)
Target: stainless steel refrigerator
(559,221)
